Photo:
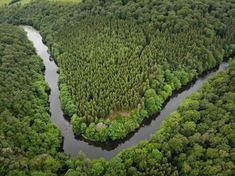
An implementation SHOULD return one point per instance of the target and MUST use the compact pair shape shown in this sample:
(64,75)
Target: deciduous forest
(119,62)
(27,135)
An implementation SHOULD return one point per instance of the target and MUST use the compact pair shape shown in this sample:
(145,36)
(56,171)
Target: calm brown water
(93,150)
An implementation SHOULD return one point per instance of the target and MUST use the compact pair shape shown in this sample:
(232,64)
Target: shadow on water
(72,145)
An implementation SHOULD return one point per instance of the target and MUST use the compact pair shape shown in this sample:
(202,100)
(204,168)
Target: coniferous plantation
(119,61)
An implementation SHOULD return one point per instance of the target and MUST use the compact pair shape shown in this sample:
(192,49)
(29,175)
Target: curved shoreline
(73,146)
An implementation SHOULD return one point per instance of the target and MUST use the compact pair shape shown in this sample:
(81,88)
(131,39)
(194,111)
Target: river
(93,150)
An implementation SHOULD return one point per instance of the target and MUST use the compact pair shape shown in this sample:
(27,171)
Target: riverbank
(73,146)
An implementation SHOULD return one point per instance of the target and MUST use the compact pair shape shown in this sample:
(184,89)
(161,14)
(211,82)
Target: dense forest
(119,62)
(28,138)
(117,68)
(128,71)
(197,139)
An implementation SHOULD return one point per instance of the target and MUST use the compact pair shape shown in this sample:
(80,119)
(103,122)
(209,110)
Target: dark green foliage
(108,64)
(111,53)
(28,140)
(14,1)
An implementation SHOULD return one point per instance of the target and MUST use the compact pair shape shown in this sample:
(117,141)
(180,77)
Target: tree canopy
(119,62)
(112,53)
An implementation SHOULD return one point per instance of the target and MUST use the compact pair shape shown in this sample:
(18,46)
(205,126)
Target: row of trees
(170,16)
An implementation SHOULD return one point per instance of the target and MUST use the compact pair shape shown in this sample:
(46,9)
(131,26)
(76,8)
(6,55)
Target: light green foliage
(98,168)
(78,126)
(157,155)
(116,167)
(189,104)
(189,128)
(117,130)
(67,102)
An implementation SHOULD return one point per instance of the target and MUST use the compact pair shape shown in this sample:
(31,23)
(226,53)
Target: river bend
(93,150)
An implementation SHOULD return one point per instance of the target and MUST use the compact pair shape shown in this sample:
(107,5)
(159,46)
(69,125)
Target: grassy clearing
(73,1)
(4,2)
(116,114)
